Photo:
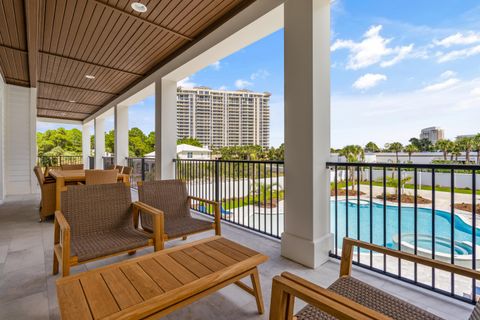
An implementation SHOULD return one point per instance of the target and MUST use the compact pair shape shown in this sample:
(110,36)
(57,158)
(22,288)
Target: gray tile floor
(27,288)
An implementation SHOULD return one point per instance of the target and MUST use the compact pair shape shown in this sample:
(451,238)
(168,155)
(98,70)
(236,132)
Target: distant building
(433,134)
(186,151)
(219,118)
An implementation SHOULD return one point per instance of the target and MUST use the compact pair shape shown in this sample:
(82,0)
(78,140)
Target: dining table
(62,177)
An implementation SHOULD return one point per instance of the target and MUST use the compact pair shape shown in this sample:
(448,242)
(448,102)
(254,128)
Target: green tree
(423,145)
(110,141)
(466,144)
(394,147)
(476,146)
(410,149)
(445,146)
(352,153)
(190,141)
(372,147)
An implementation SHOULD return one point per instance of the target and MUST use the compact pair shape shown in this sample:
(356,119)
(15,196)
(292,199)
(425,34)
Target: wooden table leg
(257,290)
(60,184)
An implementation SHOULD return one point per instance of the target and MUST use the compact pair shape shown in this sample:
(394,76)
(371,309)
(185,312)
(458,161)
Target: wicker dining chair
(119,168)
(127,170)
(97,221)
(350,298)
(101,176)
(72,166)
(171,197)
(47,203)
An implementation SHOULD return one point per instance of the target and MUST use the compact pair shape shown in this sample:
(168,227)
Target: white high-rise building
(433,134)
(223,118)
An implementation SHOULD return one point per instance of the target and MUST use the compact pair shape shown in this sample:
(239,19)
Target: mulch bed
(406,198)
(466,207)
(342,192)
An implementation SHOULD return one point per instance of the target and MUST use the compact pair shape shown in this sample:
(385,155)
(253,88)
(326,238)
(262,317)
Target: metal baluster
(452,228)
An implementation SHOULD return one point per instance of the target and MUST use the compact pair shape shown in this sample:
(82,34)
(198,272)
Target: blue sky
(397,66)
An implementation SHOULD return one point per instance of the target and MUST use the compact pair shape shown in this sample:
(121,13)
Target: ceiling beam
(15,79)
(13,48)
(90,63)
(143,20)
(67,101)
(65,111)
(77,88)
(32,8)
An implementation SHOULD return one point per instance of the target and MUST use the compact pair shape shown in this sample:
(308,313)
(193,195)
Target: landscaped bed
(466,207)
(406,198)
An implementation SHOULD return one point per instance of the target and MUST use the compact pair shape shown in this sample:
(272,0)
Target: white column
(307,237)
(165,128)
(99,142)
(121,134)
(86,145)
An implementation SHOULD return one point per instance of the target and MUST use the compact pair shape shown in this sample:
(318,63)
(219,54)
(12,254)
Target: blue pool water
(462,231)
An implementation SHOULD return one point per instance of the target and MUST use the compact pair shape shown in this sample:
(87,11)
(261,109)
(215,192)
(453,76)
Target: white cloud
(448,74)
(242,84)
(458,39)
(259,74)
(458,54)
(373,49)
(368,81)
(475,92)
(216,65)
(223,87)
(399,115)
(441,85)
(186,83)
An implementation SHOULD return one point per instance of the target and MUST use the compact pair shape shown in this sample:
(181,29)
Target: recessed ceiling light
(139,7)
(89,76)
(72,101)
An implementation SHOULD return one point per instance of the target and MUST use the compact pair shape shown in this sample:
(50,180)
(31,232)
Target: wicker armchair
(47,204)
(72,166)
(127,170)
(349,298)
(171,197)
(101,176)
(97,221)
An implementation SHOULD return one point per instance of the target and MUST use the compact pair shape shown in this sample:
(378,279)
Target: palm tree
(445,146)
(455,151)
(372,147)
(394,147)
(352,153)
(466,144)
(410,149)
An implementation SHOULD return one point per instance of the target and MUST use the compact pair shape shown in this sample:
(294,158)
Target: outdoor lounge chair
(47,203)
(101,176)
(97,221)
(350,298)
(171,197)
(72,166)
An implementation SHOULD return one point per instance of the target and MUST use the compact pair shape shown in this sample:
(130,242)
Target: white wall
(2,130)
(19,143)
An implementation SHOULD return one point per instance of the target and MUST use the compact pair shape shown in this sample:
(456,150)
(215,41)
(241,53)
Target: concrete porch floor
(27,288)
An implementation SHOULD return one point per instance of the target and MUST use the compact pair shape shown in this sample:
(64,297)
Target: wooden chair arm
(158,221)
(62,222)
(204,200)
(347,255)
(80,183)
(287,287)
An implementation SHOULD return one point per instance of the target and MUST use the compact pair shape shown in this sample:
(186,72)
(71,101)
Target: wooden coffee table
(156,284)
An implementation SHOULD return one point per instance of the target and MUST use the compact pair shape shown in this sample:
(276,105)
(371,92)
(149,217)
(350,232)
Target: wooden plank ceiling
(54,44)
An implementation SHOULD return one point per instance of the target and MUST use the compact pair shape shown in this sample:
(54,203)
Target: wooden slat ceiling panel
(104,38)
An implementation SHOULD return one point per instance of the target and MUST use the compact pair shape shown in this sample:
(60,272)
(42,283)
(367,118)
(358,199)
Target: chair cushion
(476,312)
(370,297)
(175,228)
(101,244)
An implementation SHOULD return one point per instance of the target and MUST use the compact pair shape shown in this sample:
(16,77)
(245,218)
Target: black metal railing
(250,192)
(143,169)
(425,209)
(49,161)
(108,162)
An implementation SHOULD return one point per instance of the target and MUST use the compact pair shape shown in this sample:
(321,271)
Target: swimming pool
(462,231)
